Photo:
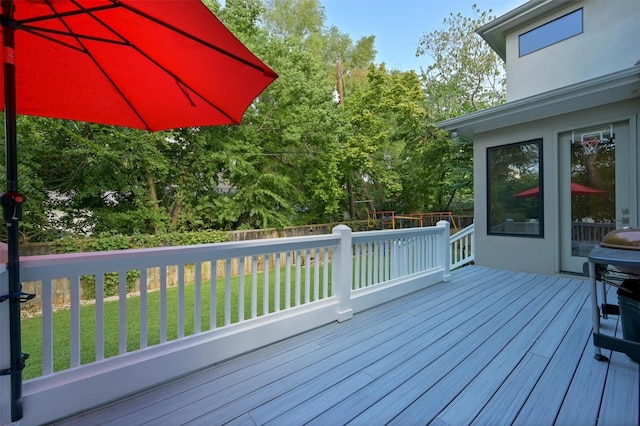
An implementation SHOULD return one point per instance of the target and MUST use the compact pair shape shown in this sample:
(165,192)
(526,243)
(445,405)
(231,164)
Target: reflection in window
(515,189)
(552,32)
(593,187)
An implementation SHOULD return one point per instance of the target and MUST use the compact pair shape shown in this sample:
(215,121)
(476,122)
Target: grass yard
(32,327)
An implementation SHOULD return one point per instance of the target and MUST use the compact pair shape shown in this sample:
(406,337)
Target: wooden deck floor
(489,347)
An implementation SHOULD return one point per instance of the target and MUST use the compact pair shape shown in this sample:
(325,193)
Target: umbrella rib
(42,32)
(38,30)
(61,15)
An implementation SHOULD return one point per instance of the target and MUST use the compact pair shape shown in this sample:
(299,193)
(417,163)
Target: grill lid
(626,238)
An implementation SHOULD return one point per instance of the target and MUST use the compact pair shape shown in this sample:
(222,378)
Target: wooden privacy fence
(42,249)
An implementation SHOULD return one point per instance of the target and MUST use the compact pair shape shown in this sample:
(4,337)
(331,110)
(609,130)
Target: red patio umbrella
(147,64)
(576,189)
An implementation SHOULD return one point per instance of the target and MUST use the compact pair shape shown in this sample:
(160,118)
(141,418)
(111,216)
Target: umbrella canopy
(147,64)
(144,64)
(576,189)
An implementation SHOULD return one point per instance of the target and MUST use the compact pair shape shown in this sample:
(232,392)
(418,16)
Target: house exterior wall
(610,42)
(542,255)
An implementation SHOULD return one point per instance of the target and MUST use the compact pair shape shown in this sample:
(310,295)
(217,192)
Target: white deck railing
(463,247)
(212,302)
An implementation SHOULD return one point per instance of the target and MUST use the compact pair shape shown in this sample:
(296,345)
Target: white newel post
(5,362)
(343,273)
(445,247)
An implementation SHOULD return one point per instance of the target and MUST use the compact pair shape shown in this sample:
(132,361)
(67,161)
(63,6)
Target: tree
(297,158)
(465,74)
(279,162)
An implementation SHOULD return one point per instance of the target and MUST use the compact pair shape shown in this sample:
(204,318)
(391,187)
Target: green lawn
(32,327)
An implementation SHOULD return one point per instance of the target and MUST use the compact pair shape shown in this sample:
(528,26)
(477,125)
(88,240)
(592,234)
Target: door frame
(627,177)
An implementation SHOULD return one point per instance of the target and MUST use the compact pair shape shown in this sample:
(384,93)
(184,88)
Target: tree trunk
(175,214)
(352,204)
(153,195)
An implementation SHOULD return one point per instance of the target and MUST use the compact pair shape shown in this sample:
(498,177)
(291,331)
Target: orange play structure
(391,220)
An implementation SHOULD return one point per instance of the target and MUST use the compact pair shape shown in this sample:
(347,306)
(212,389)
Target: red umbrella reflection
(576,189)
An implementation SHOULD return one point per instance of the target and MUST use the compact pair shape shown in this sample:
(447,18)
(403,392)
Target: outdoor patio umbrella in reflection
(576,189)
(147,64)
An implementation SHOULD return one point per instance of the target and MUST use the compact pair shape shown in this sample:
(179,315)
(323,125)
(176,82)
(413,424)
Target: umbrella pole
(11,203)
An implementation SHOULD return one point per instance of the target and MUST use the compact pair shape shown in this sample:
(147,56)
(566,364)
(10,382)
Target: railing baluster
(213,295)
(325,276)
(383,262)
(399,247)
(99,316)
(298,259)
(197,298)
(241,281)
(75,321)
(287,280)
(144,306)
(227,292)
(421,252)
(122,302)
(315,255)
(47,327)
(369,264)
(265,284)
(376,262)
(163,304)
(181,300)
(254,286)
(356,267)
(417,249)
(276,286)
(363,265)
(307,277)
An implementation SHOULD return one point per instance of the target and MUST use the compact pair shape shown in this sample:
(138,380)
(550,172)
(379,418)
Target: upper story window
(552,32)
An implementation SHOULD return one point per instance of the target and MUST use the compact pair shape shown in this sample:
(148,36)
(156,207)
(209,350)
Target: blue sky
(399,24)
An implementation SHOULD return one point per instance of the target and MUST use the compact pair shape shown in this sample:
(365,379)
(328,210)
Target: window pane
(515,189)
(593,187)
(560,29)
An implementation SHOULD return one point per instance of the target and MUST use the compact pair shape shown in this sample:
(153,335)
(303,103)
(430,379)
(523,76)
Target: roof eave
(599,91)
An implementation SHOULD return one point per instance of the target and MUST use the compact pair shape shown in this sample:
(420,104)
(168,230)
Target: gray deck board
(546,397)
(449,388)
(506,402)
(490,347)
(476,394)
(620,399)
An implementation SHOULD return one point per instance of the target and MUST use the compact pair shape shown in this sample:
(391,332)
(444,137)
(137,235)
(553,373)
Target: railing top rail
(463,232)
(395,233)
(178,254)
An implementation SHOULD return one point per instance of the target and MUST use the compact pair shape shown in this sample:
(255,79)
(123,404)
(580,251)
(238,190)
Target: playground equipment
(389,219)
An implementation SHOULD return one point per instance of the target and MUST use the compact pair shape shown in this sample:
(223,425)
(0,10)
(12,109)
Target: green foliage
(297,157)
(465,74)
(121,242)
(111,284)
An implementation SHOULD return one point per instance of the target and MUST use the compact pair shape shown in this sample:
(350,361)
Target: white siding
(539,255)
